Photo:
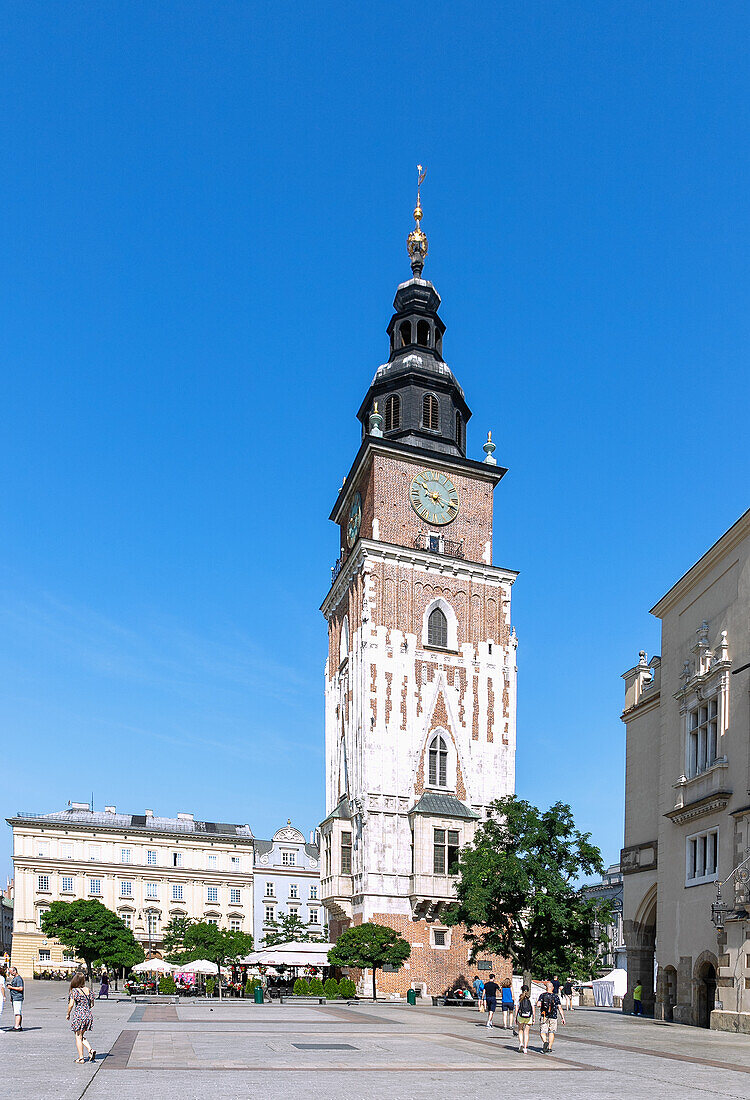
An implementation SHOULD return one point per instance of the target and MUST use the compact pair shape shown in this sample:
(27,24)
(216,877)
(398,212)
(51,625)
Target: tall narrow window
(438,763)
(702,737)
(430,412)
(392,412)
(423,333)
(437,628)
(346,853)
(459,430)
(405,330)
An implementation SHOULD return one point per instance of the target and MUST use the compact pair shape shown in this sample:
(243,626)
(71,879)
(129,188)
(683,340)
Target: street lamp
(719,910)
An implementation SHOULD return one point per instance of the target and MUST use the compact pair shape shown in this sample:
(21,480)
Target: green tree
(517,890)
(93,932)
(289,927)
(370,946)
(174,938)
(219,945)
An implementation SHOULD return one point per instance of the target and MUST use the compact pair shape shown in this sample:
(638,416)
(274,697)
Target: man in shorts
(15,989)
(490,998)
(549,1006)
(479,992)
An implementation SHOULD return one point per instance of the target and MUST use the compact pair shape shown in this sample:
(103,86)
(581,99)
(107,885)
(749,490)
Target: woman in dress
(104,987)
(79,1013)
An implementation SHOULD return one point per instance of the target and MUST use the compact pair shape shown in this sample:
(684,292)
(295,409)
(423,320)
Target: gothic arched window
(392,412)
(344,640)
(438,763)
(430,412)
(437,628)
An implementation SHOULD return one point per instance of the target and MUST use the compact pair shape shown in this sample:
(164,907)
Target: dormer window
(437,629)
(392,412)
(423,334)
(405,331)
(430,412)
(438,763)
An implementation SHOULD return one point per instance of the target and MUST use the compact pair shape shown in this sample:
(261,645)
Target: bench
(460,1001)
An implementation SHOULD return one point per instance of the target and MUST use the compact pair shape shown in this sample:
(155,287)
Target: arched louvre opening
(423,333)
(438,763)
(430,412)
(437,629)
(405,330)
(392,412)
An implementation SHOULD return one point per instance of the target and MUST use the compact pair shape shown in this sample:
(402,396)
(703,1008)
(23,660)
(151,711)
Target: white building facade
(145,868)
(287,883)
(687,797)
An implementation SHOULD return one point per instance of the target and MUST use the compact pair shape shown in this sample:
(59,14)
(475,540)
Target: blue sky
(204,211)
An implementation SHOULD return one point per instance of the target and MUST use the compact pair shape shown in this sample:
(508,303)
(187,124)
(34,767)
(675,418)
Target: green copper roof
(443,805)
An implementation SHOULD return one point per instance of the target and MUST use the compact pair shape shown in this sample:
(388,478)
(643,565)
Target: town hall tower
(420,713)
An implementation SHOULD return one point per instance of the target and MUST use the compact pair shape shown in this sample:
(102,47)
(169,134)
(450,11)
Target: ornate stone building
(420,679)
(145,868)
(687,797)
(287,882)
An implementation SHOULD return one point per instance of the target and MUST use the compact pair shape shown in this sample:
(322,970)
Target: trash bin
(258,995)
(411,997)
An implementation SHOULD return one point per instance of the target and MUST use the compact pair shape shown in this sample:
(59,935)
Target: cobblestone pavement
(238,1051)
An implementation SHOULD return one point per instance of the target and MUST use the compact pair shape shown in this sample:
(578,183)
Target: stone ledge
(738,1022)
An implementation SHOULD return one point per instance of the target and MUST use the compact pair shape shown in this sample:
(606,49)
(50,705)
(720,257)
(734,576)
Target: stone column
(683,1009)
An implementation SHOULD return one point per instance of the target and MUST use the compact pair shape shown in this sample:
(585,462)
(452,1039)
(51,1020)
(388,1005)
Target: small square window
(42,883)
(151,859)
(176,891)
(44,955)
(66,885)
(126,889)
(235,924)
(95,886)
(125,854)
(212,893)
(235,896)
(269,913)
(152,890)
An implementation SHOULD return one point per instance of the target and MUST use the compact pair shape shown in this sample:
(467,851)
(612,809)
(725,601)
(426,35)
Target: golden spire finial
(416,242)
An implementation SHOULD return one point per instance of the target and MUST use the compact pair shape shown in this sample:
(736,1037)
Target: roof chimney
(110,810)
(79,805)
(149,813)
(184,817)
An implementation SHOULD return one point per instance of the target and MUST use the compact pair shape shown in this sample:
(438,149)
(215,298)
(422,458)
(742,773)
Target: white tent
(293,953)
(153,966)
(614,984)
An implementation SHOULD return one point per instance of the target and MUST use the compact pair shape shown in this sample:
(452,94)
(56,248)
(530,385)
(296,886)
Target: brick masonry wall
(439,968)
(384,486)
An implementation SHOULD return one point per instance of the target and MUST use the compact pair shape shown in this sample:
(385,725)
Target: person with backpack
(524,1019)
(16,990)
(549,1007)
(479,992)
(506,1003)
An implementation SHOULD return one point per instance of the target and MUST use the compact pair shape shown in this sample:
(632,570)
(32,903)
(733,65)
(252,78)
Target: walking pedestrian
(549,1007)
(479,992)
(490,998)
(556,985)
(15,988)
(3,990)
(80,1003)
(638,998)
(524,1019)
(567,992)
(104,987)
(506,1003)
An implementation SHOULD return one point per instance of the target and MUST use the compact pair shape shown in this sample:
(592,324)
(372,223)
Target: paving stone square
(240,1051)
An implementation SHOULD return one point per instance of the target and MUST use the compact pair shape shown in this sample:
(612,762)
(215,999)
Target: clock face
(355,520)
(434,497)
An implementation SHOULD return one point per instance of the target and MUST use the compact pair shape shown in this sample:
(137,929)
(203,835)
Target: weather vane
(416,242)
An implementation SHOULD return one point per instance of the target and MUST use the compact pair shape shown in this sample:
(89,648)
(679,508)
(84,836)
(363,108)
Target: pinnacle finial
(416,242)
(488,449)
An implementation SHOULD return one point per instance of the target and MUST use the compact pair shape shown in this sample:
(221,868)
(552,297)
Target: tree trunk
(218,967)
(374,993)
(527,979)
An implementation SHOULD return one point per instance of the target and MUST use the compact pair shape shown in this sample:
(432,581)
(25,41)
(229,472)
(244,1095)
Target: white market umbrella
(153,966)
(200,966)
